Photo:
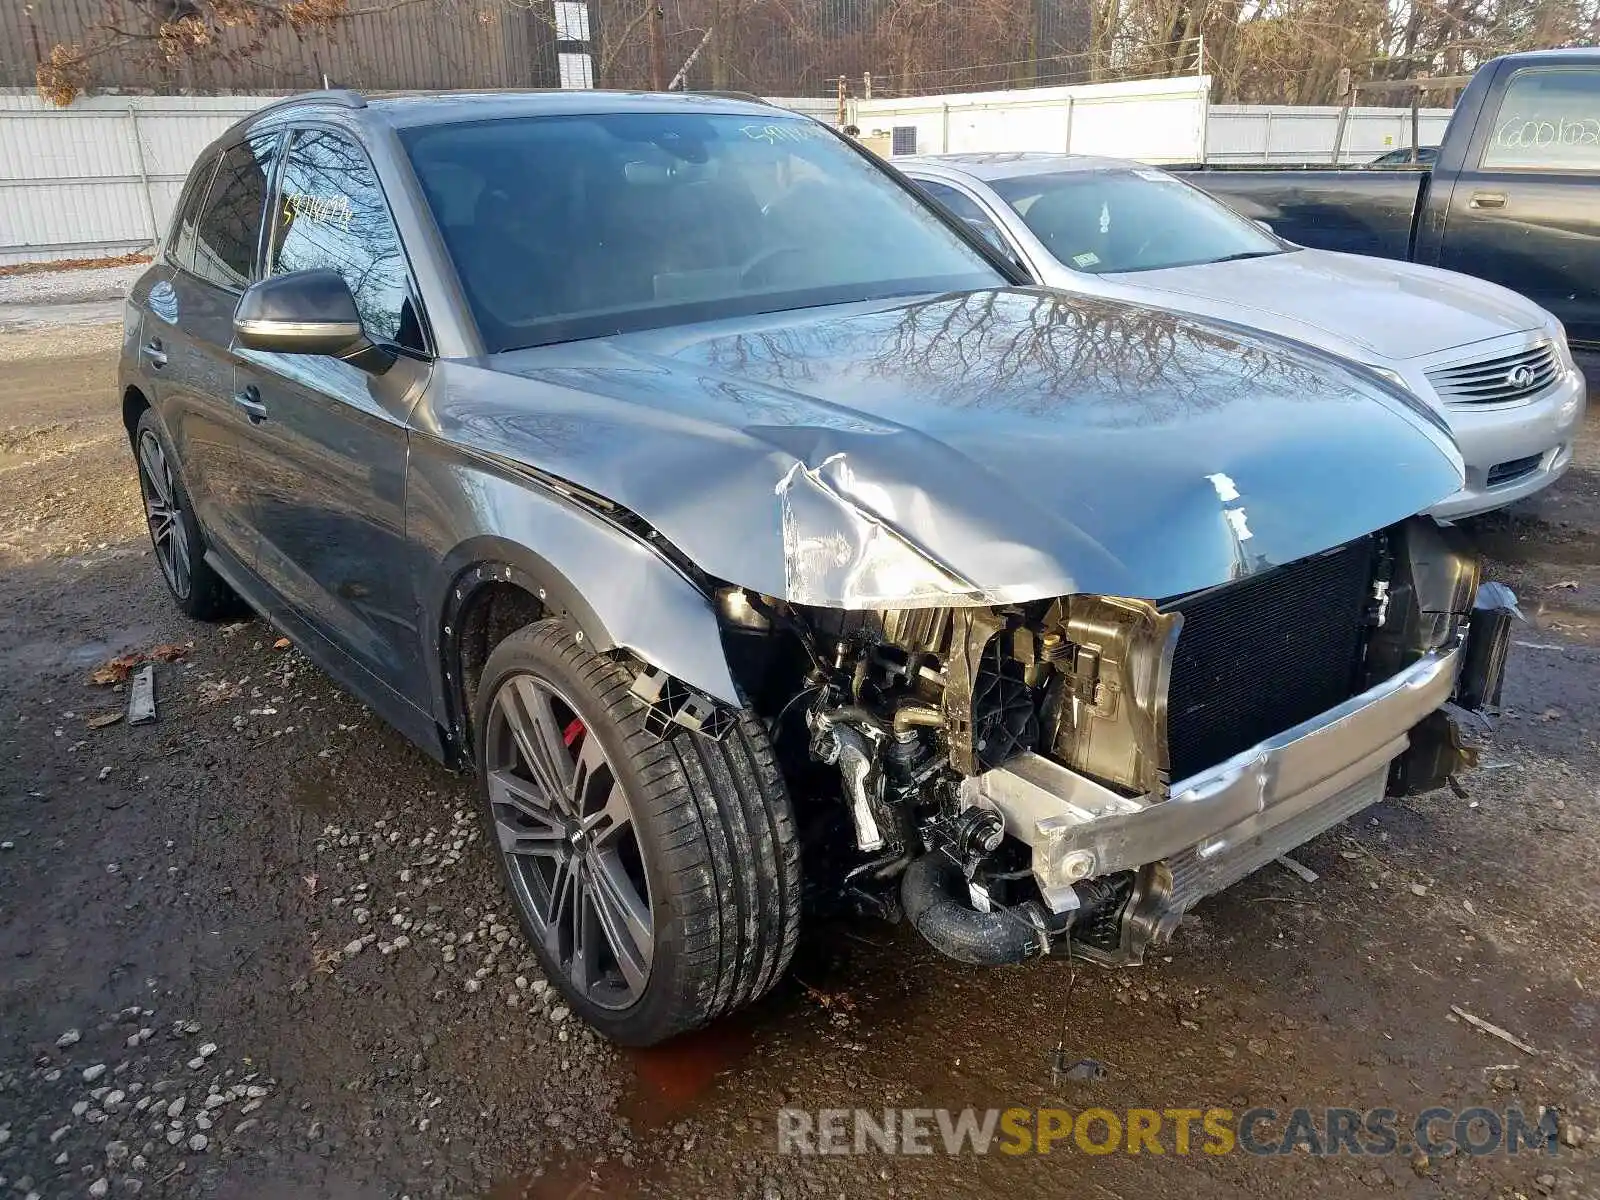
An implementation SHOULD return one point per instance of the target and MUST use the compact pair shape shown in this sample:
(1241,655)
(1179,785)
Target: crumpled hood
(1031,443)
(1346,303)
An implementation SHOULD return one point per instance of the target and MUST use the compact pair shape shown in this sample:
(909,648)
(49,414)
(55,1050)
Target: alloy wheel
(566,829)
(169,533)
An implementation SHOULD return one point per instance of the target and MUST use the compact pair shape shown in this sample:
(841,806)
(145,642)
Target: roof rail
(348,97)
(340,96)
(344,96)
(749,97)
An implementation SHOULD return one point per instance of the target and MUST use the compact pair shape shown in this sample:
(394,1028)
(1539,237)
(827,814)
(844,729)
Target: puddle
(46,654)
(121,641)
(680,1079)
(313,792)
(670,1080)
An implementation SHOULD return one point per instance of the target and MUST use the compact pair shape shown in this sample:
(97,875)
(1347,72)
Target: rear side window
(230,224)
(1548,119)
(180,240)
(332,214)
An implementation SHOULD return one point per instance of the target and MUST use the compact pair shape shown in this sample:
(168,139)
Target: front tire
(174,532)
(657,878)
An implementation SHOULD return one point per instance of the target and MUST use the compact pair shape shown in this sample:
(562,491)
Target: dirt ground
(257,949)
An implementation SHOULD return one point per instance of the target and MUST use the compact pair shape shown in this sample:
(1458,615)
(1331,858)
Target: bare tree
(161,34)
(1259,51)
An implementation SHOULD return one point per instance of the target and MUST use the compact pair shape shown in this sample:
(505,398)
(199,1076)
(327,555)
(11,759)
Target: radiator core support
(1214,826)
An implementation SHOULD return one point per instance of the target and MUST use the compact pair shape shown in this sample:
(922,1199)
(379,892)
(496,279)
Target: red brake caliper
(572,733)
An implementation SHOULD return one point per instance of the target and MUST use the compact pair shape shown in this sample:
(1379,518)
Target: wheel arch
(641,604)
(134,402)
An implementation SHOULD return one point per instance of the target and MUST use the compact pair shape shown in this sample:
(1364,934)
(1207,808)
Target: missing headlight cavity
(1005,717)
(1062,729)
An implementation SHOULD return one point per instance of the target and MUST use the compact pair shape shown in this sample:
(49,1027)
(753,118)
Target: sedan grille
(1261,655)
(1498,380)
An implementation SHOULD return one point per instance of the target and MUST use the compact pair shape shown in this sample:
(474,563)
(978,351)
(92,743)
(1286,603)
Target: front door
(325,452)
(1524,211)
(189,328)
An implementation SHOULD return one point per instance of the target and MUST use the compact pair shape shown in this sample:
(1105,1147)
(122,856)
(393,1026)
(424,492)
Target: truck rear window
(1549,119)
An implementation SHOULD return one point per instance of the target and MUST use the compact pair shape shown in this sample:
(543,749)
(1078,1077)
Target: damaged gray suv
(739,517)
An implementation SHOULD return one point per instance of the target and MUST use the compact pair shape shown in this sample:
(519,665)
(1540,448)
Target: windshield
(1131,220)
(568,227)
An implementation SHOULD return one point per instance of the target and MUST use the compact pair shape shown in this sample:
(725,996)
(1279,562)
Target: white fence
(1157,120)
(1271,133)
(102,176)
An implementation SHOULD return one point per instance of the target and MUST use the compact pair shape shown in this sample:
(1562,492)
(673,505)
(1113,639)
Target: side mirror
(1264,226)
(307,312)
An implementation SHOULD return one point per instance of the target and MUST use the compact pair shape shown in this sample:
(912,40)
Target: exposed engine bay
(1076,772)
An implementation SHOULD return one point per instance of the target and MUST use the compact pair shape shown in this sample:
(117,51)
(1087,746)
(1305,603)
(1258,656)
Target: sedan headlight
(1393,377)
(1558,335)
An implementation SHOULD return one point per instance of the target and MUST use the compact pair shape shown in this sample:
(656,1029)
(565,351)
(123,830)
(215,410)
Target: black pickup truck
(1513,197)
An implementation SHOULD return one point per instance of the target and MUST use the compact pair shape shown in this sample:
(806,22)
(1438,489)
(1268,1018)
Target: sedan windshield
(568,227)
(1099,222)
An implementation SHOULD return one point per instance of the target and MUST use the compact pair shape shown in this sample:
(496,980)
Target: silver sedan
(1494,363)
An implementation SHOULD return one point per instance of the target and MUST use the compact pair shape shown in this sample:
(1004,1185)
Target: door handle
(154,353)
(1487,200)
(250,401)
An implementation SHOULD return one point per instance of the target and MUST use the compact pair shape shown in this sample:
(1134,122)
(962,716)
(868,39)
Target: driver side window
(331,214)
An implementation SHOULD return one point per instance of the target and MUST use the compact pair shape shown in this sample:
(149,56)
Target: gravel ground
(257,948)
(70,287)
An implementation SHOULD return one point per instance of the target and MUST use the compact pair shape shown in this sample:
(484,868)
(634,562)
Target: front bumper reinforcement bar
(1246,807)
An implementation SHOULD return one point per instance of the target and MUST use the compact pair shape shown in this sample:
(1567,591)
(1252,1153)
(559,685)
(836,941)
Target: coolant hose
(933,893)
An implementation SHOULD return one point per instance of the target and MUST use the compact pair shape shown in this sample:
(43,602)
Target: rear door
(189,330)
(324,455)
(1525,210)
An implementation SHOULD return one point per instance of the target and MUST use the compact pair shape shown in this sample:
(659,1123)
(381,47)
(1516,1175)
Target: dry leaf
(282,644)
(829,1000)
(104,719)
(116,670)
(170,651)
(323,959)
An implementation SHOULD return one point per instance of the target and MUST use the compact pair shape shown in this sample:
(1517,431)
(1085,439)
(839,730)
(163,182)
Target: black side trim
(417,726)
